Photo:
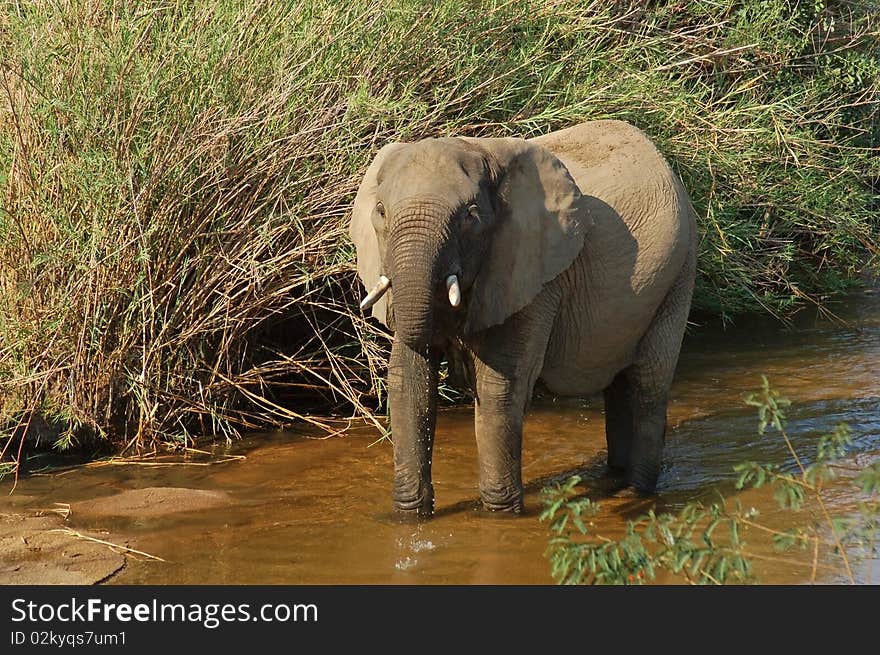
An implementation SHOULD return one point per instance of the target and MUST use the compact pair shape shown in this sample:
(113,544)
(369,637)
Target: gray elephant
(568,258)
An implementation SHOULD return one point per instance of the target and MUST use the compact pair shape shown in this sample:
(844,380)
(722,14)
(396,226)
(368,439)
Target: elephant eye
(473,213)
(380,208)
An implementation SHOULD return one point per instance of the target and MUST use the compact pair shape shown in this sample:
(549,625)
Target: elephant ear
(541,224)
(365,222)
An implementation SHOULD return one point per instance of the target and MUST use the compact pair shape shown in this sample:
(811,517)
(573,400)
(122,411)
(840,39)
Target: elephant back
(626,179)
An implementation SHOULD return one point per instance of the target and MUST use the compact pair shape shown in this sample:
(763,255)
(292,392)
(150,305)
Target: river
(299,509)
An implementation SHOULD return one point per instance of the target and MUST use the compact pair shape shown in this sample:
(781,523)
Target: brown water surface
(303,510)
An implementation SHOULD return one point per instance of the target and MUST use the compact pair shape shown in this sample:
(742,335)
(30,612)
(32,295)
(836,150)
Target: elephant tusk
(377,292)
(454,290)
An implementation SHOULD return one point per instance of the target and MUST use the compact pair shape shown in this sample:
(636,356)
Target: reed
(175,179)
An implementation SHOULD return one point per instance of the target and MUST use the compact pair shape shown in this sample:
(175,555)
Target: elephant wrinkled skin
(568,258)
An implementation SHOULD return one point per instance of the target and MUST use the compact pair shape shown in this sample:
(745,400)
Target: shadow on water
(593,475)
(301,510)
(703,452)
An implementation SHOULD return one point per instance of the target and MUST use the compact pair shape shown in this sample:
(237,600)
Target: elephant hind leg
(648,439)
(618,422)
(635,426)
(637,399)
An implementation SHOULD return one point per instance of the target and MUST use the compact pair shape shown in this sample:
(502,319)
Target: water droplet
(405,563)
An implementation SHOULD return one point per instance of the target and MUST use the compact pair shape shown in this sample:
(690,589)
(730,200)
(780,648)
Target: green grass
(175,177)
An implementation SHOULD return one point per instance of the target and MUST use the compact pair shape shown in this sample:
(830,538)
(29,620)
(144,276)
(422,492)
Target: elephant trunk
(413,312)
(414,249)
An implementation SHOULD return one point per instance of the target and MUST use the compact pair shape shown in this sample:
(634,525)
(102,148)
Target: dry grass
(116,548)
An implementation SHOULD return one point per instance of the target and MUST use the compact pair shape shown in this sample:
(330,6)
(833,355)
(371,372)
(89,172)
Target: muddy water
(304,510)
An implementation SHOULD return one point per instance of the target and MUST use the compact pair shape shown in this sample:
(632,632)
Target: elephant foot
(495,508)
(643,478)
(419,504)
(618,460)
(616,470)
(629,493)
(506,501)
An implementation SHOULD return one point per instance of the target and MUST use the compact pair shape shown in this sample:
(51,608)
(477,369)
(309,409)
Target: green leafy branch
(790,490)
(703,544)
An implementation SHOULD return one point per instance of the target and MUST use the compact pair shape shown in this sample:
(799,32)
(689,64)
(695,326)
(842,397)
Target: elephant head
(462,232)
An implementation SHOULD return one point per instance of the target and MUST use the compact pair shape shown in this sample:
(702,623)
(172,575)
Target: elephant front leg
(498,423)
(412,397)
(507,361)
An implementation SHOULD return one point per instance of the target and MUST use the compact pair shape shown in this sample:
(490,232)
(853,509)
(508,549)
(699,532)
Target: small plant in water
(703,544)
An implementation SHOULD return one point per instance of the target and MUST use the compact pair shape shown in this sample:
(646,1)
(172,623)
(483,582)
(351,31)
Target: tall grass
(175,178)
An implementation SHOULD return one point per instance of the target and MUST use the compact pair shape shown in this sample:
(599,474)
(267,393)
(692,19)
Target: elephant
(568,258)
